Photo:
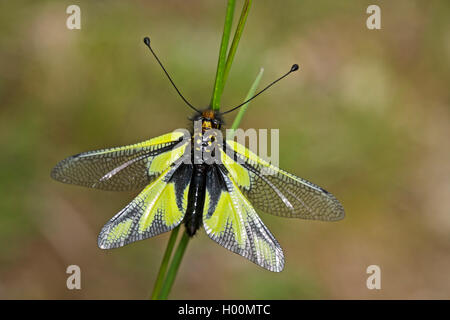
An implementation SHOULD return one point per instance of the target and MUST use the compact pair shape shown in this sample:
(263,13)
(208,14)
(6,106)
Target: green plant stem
(173,270)
(218,84)
(178,255)
(162,289)
(236,38)
(240,115)
(165,263)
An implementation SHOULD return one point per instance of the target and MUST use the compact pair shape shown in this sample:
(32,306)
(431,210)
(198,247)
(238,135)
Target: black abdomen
(196,199)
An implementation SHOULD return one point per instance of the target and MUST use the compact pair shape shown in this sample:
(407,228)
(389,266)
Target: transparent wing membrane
(122,168)
(274,191)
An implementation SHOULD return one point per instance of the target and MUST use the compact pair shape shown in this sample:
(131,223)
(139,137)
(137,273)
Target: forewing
(122,168)
(274,191)
(159,208)
(231,221)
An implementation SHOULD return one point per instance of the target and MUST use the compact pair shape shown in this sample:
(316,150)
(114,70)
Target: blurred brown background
(367,118)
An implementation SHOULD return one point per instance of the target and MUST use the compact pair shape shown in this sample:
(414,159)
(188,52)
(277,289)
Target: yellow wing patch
(148,144)
(160,202)
(239,148)
(120,231)
(238,173)
(160,162)
(165,138)
(226,217)
(230,220)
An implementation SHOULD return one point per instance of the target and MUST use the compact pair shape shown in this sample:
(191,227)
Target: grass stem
(164,263)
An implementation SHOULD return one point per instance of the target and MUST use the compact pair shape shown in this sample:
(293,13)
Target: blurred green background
(367,118)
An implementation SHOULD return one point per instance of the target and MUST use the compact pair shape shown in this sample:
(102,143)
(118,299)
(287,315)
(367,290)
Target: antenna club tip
(147,41)
(294,67)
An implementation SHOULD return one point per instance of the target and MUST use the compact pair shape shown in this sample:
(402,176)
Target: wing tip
(273,266)
(279,266)
(101,242)
(340,210)
(278,269)
(57,172)
(340,214)
(103,246)
(54,173)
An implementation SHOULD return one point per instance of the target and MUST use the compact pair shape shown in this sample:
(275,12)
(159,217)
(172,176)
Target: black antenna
(147,43)
(293,68)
